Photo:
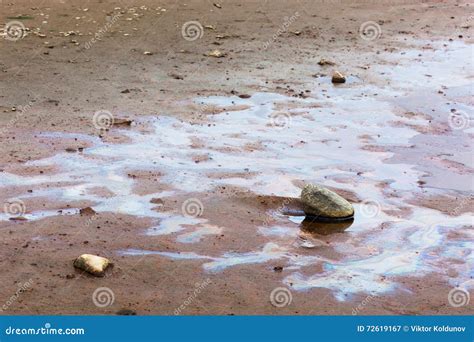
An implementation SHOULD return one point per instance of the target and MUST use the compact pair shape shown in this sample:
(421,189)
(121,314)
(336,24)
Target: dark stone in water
(323,204)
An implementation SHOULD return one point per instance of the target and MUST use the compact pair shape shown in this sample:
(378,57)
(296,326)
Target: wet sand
(192,200)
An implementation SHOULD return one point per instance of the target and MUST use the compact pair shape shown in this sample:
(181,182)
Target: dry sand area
(174,138)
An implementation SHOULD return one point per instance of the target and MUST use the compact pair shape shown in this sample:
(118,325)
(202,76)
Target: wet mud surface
(201,190)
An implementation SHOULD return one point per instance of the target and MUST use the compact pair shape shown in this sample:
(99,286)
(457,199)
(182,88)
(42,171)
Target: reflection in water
(313,226)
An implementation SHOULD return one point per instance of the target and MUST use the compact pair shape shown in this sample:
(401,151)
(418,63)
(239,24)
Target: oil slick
(370,257)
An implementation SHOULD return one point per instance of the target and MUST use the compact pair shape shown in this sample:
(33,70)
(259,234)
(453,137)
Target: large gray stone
(322,202)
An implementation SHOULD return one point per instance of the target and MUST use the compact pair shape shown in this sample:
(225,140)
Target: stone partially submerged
(337,77)
(324,204)
(92,264)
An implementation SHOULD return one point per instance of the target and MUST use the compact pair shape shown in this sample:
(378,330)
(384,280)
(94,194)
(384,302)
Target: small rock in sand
(278,268)
(122,122)
(325,62)
(176,76)
(87,211)
(92,264)
(126,312)
(245,96)
(216,54)
(324,203)
(156,201)
(337,77)
(18,218)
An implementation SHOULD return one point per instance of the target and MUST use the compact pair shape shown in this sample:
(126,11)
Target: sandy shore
(189,200)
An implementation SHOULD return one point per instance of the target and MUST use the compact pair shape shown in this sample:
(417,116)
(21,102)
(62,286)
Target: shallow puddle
(341,142)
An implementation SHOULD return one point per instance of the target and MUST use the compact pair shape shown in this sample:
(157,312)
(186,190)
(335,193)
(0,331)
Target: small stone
(321,202)
(176,76)
(337,77)
(278,268)
(325,62)
(87,211)
(156,201)
(148,53)
(122,122)
(18,218)
(126,312)
(216,54)
(92,264)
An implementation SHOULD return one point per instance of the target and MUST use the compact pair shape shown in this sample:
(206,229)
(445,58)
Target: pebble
(337,77)
(92,264)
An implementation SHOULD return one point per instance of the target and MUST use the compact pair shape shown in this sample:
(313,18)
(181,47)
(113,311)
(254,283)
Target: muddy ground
(132,60)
